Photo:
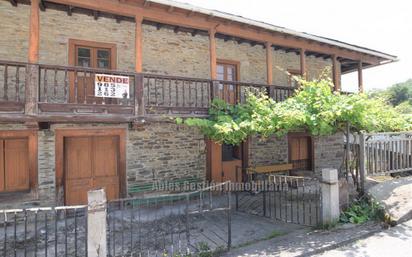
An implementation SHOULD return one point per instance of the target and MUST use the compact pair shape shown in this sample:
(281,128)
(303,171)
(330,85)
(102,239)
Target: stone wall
(329,152)
(315,67)
(56,28)
(165,151)
(268,151)
(252,59)
(177,54)
(283,62)
(14,31)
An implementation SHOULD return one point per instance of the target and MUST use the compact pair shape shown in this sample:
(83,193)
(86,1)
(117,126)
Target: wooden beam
(336,73)
(194,32)
(69,10)
(360,77)
(13,2)
(34,32)
(146,3)
(212,50)
(42,6)
(302,62)
(269,64)
(190,13)
(138,44)
(170,9)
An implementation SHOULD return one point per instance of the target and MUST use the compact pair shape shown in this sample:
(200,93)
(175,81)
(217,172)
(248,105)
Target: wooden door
(91,162)
(14,165)
(89,55)
(300,152)
(227,91)
(225,159)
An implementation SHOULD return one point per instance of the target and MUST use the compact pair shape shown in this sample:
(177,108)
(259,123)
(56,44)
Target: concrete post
(96,223)
(330,196)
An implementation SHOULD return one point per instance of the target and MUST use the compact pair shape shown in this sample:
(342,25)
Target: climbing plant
(314,108)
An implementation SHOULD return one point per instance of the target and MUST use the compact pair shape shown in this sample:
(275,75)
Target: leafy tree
(314,108)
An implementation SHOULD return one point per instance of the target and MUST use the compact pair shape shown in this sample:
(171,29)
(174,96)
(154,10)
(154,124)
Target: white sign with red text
(111,86)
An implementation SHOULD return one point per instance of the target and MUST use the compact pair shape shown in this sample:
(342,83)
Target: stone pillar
(330,196)
(96,223)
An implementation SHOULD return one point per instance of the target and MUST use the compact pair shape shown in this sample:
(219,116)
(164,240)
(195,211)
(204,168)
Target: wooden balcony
(51,93)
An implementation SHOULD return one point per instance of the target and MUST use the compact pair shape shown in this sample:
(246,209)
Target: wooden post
(360,77)
(212,50)
(302,62)
(336,73)
(139,96)
(362,163)
(269,65)
(34,32)
(138,43)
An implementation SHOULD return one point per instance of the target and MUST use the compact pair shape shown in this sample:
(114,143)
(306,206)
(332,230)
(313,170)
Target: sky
(377,24)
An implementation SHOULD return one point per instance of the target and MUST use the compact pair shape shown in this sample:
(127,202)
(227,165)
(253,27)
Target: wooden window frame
(31,136)
(61,133)
(93,44)
(230,62)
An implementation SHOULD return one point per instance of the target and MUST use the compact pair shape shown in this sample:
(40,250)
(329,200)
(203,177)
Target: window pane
(83,52)
(84,62)
(104,54)
(220,69)
(228,152)
(102,63)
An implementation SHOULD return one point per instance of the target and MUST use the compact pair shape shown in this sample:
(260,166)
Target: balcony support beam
(336,73)
(302,62)
(34,32)
(212,51)
(360,77)
(138,44)
(269,61)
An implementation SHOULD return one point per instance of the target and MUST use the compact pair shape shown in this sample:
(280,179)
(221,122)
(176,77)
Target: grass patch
(272,235)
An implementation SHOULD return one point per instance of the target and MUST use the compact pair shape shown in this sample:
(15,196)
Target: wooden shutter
(16,165)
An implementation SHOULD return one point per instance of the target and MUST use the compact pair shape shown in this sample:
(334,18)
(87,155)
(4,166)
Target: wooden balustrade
(66,90)
(12,84)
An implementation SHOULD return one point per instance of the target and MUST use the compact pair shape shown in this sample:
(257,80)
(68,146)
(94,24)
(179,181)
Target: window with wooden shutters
(14,165)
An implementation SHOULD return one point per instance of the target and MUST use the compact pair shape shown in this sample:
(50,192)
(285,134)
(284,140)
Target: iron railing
(58,231)
(171,224)
(289,199)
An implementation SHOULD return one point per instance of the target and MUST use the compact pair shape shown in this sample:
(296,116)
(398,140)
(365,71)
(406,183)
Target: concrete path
(396,196)
(396,241)
(305,242)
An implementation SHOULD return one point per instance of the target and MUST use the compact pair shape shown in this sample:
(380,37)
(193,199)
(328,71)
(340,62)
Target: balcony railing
(66,91)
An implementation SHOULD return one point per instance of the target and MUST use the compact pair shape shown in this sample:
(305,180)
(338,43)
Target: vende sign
(111,86)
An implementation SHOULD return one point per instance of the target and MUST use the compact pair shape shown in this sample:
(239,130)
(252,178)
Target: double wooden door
(14,165)
(91,162)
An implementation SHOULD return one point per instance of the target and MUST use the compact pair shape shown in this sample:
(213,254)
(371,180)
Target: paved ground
(396,241)
(304,242)
(395,195)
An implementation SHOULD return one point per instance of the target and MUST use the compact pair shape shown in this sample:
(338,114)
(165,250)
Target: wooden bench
(150,187)
(281,169)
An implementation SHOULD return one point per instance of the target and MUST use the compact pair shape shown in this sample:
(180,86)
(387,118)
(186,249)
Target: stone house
(58,138)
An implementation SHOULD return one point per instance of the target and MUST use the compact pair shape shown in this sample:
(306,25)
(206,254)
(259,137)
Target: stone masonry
(329,152)
(268,151)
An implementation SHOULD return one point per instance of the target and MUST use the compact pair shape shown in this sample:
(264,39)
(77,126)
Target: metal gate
(286,198)
(170,225)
